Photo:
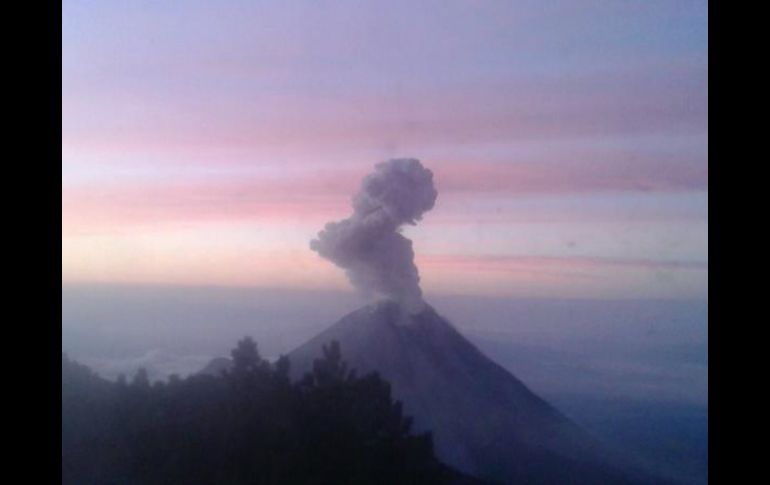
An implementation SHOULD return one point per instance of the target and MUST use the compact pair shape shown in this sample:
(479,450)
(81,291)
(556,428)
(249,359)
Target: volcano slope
(485,422)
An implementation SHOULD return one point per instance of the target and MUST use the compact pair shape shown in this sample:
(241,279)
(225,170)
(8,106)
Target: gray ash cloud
(368,245)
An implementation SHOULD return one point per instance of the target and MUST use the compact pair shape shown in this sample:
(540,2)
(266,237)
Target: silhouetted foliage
(250,425)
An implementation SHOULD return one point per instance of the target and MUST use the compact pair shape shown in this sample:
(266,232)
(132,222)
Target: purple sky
(208,142)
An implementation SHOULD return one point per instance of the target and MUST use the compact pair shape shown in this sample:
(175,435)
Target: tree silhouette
(141,379)
(331,369)
(246,356)
(245,427)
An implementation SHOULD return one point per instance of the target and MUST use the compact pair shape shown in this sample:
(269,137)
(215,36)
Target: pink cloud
(320,195)
(581,174)
(116,206)
(539,109)
(507,264)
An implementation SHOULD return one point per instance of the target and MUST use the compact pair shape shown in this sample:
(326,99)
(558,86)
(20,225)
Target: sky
(206,143)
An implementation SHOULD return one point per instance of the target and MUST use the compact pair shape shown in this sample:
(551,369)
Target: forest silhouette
(248,425)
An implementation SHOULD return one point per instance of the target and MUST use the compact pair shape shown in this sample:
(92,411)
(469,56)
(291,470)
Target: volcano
(485,422)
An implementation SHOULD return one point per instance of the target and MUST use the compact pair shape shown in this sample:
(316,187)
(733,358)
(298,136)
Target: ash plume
(369,246)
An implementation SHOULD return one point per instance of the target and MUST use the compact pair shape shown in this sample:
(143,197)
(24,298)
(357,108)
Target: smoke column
(368,245)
